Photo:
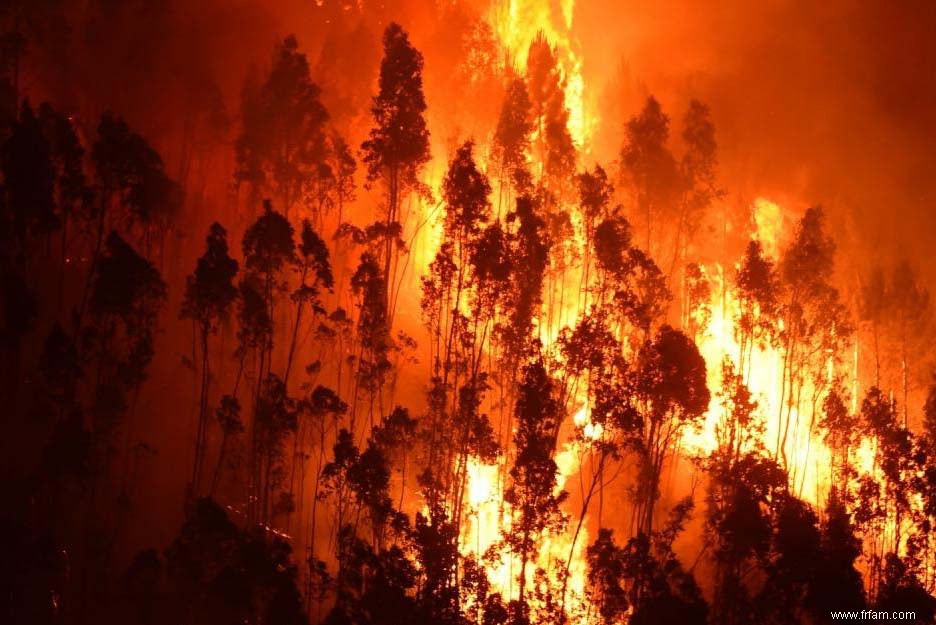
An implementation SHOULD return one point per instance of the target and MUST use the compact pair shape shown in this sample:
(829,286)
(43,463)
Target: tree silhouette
(209,294)
(816,324)
(671,394)
(697,170)
(397,146)
(744,483)
(759,295)
(269,250)
(645,577)
(909,302)
(459,309)
(838,582)
(283,145)
(132,179)
(221,574)
(373,331)
(73,193)
(314,260)
(648,166)
(275,419)
(512,136)
(555,149)
(531,492)
(873,310)
(841,431)
(29,184)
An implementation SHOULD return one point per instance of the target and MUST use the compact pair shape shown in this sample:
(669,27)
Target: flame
(808,457)
(768,223)
(488,521)
(517,22)
(488,517)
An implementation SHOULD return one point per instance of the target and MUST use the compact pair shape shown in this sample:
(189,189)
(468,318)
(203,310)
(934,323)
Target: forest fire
(495,312)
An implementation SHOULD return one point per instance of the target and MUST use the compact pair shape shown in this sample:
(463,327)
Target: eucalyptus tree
(312,261)
(698,185)
(648,167)
(209,295)
(744,484)
(555,149)
(532,488)
(397,146)
(269,252)
(459,314)
(759,295)
(670,393)
(133,183)
(816,324)
(283,146)
(512,138)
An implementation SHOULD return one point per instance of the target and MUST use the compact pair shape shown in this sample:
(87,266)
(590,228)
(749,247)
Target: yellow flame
(768,222)
(517,22)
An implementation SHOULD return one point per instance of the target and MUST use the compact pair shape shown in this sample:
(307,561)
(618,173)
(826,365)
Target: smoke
(814,103)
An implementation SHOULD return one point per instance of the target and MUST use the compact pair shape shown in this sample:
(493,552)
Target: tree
(816,324)
(873,310)
(743,485)
(29,184)
(759,293)
(283,145)
(132,178)
(630,280)
(645,577)
(275,419)
(73,194)
(698,312)
(209,294)
(117,343)
(697,171)
(533,475)
(595,194)
(314,260)
(671,393)
(648,166)
(512,136)
(555,149)
(838,582)
(221,574)
(606,577)
(269,249)
(459,314)
(529,257)
(789,590)
(895,460)
(125,301)
(910,305)
(228,415)
(373,332)
(397,146)
(902,591)
(842,432)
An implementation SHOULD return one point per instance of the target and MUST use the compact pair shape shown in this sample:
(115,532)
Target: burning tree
(398,144)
